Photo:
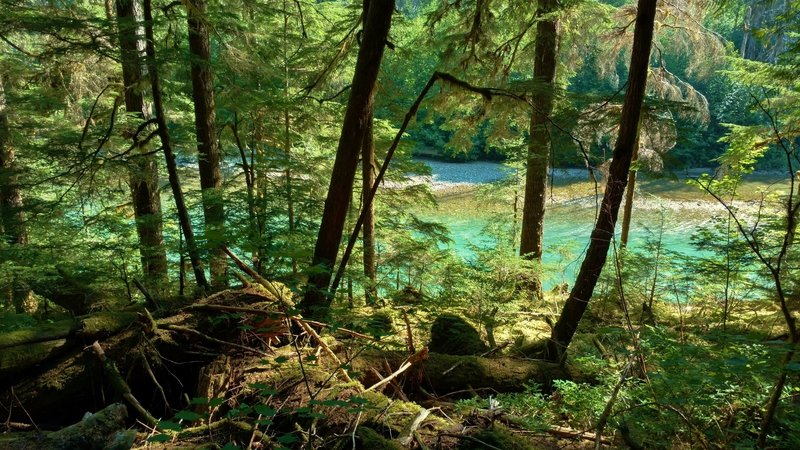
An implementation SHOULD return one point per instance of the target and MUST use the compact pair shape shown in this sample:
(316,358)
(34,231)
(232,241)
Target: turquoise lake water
(567,225)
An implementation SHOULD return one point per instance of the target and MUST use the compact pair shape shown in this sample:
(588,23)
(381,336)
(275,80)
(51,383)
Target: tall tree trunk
(368,232)
(603,231)
(539,142)
(207,144)
(288,137)
(12,215)
(143,170)
(627,212)
(377,20)
(169,155)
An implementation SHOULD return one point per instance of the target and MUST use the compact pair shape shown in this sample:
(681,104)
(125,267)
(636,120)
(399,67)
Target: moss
(106,323)
(452,335)
(369,439)
(22,356)
(379,323)
(498,437)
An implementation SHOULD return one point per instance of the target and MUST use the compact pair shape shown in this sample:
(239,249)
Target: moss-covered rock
(452,335)
(379,323)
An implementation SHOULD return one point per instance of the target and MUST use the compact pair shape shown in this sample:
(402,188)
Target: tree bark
(368,236)
(12,214)
(603,231)
(166,144)
(378,18)
(105,429)
(627,212)
(539,142)
(207,144)
(143,171)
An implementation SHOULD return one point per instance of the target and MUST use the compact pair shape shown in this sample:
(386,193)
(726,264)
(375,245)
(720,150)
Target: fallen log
(21,350)
(39,333)
(104,430)
(52,381)
(501,374)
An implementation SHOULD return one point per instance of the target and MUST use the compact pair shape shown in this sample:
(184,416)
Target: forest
(399,224)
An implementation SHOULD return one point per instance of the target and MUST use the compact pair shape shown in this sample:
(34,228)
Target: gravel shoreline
(456,179)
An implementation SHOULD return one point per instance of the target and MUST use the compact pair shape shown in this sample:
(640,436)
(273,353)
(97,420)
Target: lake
(569,216)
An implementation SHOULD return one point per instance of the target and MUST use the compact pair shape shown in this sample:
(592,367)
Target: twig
(601,423)
(149,371)
(413,359)
(408,433)
(353,435)
(325,347)
(151,301)
(188,330)
(120,385)
(343,330)
(254,275)
(576,434)
(470,438)
(242,309)
(13,394)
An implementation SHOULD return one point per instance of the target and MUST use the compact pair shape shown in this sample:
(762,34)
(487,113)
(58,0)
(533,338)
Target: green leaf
(191,416)
(358,400)
(167,425)
(264,410)
(287,438)
(160,438)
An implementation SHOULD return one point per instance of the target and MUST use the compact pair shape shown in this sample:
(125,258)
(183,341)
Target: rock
(452,335)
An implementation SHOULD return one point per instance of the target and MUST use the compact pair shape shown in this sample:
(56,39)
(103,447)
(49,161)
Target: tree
(208,149)
(169,155)
(368,233)
(539,142)
(12,214)
(144,179)
(596,254)
(377,21)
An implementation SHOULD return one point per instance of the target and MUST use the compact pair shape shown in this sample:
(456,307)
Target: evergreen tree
(143,167)
(377,20)
(208,150)
(596,254)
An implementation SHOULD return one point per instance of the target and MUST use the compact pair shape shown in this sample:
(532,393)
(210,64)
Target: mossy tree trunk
(539,142)
(12,215)
(368,232)
(143,168)
(208,150)
(169,155)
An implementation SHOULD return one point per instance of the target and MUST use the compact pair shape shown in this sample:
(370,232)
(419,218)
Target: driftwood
(104,430)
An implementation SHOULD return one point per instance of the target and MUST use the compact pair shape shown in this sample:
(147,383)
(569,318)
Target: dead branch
(417,357)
